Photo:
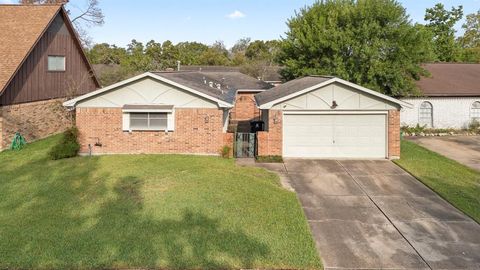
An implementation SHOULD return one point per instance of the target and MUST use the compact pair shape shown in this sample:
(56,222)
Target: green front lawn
(146,211)
(455,182)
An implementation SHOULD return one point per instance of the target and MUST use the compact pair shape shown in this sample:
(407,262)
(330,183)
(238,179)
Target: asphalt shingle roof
(289,88)
(20,28)
(451,79)
(229,81)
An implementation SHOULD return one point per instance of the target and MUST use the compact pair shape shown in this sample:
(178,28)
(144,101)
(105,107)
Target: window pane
(475,111)
(425,114)
(158,116)
(160,124)
(56,63)
(138,123)
(139,115)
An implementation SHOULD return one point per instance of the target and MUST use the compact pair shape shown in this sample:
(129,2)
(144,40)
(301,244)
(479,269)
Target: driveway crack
(383,213)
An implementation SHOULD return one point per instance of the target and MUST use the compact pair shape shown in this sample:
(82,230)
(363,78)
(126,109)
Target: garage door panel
(335,136)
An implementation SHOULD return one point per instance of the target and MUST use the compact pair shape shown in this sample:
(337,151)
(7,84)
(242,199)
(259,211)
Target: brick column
(228,141)
(393,134)
(270,142)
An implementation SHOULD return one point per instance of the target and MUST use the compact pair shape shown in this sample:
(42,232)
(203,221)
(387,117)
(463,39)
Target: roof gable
(22,28)
(199,92)
(307,84)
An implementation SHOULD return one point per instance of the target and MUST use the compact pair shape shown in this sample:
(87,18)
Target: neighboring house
(327,117)
(450,97)
(188,112)
(162,112)
(41,64)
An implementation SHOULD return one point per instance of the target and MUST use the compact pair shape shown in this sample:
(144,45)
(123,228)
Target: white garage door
(334,136)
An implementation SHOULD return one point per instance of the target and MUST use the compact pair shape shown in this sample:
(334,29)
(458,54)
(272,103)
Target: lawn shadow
(62,214)
(192,241)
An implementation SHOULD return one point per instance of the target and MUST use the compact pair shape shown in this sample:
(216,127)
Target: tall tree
(136,60)
(105,53)
(189,52)
(216,54)
(260,56)
(368,42)
(471,37)
(470,41)
(238,51)
(441,22)
(90,15)
(241,45)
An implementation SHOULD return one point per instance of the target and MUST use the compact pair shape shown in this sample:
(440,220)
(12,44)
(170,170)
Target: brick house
(41,64)
(189,112)
(163,112)
(327,117)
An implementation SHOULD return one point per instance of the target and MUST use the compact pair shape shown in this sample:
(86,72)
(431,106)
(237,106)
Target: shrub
(474,126)
(67,147)
(225,151)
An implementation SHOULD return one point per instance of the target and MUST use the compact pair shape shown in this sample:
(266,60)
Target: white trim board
(270,104)
(336,112)
(72,102)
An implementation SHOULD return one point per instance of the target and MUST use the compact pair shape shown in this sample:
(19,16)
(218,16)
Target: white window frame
(126,120)
(57,68)
(420,118)
(475,111)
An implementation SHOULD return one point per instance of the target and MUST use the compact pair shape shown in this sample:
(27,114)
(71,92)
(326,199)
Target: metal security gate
(245,145)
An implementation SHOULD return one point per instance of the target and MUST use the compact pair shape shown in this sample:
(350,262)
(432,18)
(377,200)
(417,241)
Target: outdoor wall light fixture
(206,119)
(334,105)
(98,143)
(275,118)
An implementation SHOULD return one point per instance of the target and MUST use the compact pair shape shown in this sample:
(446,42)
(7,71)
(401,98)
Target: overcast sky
(210,20)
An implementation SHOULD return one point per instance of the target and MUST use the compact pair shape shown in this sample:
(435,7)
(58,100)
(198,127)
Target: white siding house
(444,112)
(451,97)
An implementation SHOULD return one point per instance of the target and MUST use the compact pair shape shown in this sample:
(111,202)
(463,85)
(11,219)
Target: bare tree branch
(91,16)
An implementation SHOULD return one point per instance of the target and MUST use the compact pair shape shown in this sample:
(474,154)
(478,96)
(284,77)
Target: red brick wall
(228,141)
(245,108)
(394,134)
(34,120)
(270,142)
(191,135)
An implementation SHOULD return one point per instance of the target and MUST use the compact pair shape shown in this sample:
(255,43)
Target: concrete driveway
(464,149)
(373,215)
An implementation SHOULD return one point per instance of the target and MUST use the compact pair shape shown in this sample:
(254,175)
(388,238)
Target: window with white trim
(475,111)
(425,114)
(56,63)
(148,121)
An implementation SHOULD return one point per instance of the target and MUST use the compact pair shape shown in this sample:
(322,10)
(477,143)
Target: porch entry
(245,145)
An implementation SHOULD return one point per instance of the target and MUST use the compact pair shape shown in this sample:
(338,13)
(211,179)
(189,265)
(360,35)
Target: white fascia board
(251,90)
(333,80)
(333,112)
(73,102)
(146,110)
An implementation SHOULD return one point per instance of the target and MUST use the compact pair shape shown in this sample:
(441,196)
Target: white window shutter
(171,121)
(126,121)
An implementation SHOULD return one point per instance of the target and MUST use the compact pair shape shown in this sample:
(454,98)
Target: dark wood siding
(34,82)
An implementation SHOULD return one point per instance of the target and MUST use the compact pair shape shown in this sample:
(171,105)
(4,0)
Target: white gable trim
(72,102)
(270,104)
